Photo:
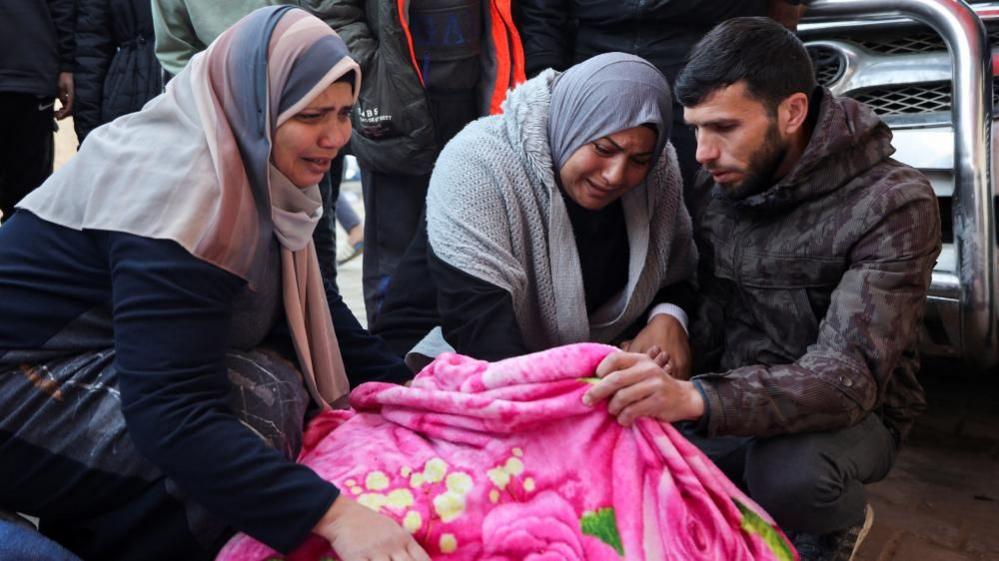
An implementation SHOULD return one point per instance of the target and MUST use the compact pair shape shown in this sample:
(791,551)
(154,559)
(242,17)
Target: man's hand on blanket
(358,533)
(664,333)
(636,386)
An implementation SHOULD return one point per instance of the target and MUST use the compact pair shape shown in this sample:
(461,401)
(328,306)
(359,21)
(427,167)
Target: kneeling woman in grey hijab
(559,221)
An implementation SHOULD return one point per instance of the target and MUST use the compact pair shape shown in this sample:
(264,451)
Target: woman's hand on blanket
(634,386)
(358,533)
(665,333)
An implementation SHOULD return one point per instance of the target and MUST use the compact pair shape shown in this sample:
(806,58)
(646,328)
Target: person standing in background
(560,33)
(116,69)
(36,66)
(428,71)
(184,28)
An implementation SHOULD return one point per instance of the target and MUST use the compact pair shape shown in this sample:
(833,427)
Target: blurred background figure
(185,28)
(560,33)
(36,67)
(430,67)
(352,224)
(116,69)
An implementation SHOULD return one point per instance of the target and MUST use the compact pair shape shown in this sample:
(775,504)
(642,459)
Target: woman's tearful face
(305,144)
(602,171)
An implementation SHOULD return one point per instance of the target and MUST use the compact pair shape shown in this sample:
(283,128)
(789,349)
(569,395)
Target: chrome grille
(829,64)
(914,42)
(921,42)
(913,99)
(896,99)
(906,100)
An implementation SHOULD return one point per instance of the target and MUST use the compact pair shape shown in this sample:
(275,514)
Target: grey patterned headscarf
(603,95)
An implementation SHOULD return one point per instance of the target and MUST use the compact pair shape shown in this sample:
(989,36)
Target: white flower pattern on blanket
(502,461)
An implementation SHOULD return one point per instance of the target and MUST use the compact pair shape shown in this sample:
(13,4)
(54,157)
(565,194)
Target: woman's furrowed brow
(329,107)
(619,147)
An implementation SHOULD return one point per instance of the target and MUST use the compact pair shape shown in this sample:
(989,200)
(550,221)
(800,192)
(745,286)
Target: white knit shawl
(494,211)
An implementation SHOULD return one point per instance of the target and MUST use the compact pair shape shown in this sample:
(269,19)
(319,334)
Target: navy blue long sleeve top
(171,312)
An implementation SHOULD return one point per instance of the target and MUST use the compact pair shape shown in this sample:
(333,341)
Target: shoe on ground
(355,250)
(835,546)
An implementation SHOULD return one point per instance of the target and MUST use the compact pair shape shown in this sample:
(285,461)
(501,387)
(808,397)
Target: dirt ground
(941,501)
(65,142)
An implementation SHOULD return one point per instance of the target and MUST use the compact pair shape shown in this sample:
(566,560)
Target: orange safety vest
(506,45)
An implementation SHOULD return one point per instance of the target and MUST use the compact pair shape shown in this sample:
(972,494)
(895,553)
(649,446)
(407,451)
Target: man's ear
(792,113)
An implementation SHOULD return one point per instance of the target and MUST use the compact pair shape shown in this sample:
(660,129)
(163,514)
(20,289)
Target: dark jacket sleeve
(63,13)
(547,33)
(94,49)
(171,313)
(324,235)
(682,294)
(348,19)
(477,318)
(871,321)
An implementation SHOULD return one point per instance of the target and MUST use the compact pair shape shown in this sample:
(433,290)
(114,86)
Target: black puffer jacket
(394,127)
(116,68)
(560,33)
(36,44)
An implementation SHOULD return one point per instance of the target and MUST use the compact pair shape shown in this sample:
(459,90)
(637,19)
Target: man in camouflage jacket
(816,253)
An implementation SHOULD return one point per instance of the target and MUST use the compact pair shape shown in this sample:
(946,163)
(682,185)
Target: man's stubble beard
(762,167)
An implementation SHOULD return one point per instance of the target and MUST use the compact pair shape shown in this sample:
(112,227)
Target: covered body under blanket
(502,461)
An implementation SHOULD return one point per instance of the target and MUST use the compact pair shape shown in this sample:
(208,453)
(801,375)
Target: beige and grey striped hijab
(193,166)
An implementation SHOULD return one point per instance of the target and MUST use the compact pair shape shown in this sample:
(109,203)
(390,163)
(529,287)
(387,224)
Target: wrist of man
(701,424)
(694,407)
(671,310)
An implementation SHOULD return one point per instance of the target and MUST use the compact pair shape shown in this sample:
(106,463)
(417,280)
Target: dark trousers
(26,146)
(324,235)
(809,482)
(392,208)
(409,309)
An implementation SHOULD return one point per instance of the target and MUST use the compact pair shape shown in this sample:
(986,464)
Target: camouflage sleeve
(872,320)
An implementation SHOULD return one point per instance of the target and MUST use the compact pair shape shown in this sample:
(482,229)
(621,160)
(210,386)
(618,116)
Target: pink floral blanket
(502,462)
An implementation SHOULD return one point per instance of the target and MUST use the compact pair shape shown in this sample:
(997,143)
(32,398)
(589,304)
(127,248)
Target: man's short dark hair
(767,56)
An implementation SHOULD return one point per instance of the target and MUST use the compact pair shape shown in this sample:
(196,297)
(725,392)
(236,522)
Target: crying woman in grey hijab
(559,221)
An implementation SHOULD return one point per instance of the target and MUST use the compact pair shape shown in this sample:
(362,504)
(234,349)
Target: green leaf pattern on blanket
(752,523)
(602,525)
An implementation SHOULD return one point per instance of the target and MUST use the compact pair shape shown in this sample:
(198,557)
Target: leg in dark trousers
(409,309)
(392,208)
(26,146)
(809,482)
(325,233)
